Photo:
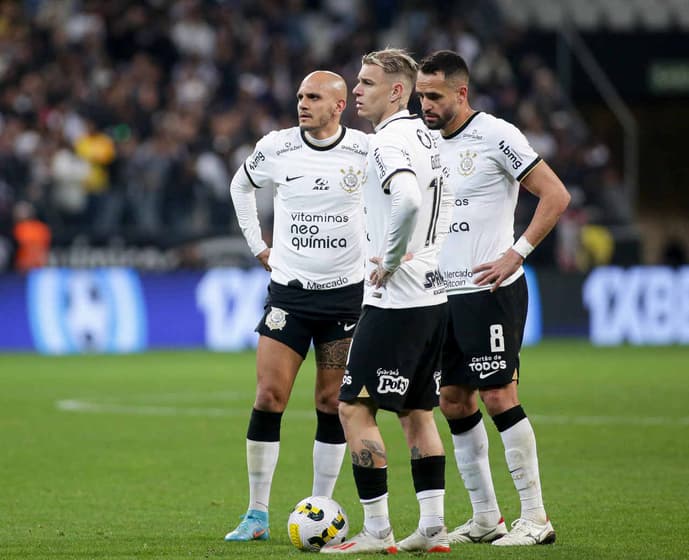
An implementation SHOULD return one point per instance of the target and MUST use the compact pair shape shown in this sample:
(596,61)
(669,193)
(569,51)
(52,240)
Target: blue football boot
(254,527)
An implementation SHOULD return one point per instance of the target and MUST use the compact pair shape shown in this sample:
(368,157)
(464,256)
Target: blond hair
(394,61)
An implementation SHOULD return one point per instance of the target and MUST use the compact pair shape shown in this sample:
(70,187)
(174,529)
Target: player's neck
(324,137)
(386,116)
(459,121)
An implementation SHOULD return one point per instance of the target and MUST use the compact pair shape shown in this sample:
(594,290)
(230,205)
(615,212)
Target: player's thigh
(277,366)
(331,358)
(332,339)
(424,390)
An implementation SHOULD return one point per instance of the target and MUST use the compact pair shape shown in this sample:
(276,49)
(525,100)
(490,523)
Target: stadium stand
(124,120)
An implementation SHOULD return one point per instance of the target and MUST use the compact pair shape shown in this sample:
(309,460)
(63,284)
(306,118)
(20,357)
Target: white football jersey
(318,227)
(402,143)
(483,163)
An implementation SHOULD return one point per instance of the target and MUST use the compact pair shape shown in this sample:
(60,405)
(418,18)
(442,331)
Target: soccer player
(485,160)
(316,287)
(395,355)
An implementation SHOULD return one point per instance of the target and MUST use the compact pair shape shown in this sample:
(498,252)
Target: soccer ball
(315,522)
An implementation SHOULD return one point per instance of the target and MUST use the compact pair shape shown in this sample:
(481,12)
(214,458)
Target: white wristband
(523,247)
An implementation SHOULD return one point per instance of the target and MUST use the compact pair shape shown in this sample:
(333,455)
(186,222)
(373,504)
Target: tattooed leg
(371,450)
(331,359)
(332,355)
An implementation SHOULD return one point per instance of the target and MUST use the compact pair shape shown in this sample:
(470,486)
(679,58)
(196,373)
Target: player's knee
(344,412)
(498,399)
(457,404)
(453,409)
(446,407)
(270,399)
(327,402)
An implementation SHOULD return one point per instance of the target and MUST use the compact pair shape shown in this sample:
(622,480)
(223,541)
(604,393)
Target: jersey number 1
(437,186)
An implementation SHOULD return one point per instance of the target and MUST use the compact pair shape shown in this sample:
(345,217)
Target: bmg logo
(98,310)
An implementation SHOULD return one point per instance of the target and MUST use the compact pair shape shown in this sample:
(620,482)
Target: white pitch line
(70,405)
(611,420)
(73,405)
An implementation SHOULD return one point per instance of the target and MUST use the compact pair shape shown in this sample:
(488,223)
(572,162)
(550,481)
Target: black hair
(448,62)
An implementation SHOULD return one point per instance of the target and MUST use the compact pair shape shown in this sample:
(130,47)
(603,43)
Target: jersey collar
(403,114)
(461,128)
(323,148)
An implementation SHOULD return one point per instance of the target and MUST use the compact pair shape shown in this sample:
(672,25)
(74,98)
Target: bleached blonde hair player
(395,354)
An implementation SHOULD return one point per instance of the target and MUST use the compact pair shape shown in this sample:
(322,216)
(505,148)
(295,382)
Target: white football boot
(527,533)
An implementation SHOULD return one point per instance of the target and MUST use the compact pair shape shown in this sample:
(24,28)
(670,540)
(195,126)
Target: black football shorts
(296,317)
(484,336)
(395,357)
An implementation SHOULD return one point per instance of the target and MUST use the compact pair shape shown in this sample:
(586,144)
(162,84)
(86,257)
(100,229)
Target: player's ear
(341,105)
(462,93)
(397,91)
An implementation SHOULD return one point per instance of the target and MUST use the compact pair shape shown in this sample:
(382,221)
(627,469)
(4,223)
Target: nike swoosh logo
(259,533)
(485,374)
(349,327)
(288,178)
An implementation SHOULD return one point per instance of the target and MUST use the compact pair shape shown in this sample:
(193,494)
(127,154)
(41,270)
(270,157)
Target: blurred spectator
(32,238)
(69,195)
(98,150)
(126,117)
(147,172)
(534,129)
(568,233)
(492,69)
(675,253)
(613,199)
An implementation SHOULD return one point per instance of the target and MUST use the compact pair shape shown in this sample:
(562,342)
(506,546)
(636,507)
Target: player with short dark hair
(395,355)
(485,159)
(316,287)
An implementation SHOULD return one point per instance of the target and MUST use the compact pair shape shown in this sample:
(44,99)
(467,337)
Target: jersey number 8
(497,340)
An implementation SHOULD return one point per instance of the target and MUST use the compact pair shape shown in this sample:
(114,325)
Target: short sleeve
(389,158)
(514,153)
(259,166)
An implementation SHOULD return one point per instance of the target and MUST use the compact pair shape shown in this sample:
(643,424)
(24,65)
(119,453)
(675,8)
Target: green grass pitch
(142,456)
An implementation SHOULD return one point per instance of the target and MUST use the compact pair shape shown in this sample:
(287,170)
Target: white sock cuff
(328,447)
(519,435)
(374,500)
(427,494)
(267,444)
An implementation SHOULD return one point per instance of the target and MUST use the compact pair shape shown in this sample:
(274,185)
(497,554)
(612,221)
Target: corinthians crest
(351,180)
(276,319)
(466,162)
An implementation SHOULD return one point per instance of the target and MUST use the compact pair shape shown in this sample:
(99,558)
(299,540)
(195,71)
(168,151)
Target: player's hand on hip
(496,272)
(263,257)
(379,276)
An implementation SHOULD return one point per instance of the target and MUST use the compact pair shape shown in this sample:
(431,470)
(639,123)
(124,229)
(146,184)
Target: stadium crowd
(128,117)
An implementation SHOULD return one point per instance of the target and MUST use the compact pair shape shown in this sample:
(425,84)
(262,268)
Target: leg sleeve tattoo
(332,355)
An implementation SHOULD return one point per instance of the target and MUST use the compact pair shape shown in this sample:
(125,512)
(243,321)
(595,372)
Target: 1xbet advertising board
(63,311)
(59,311)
